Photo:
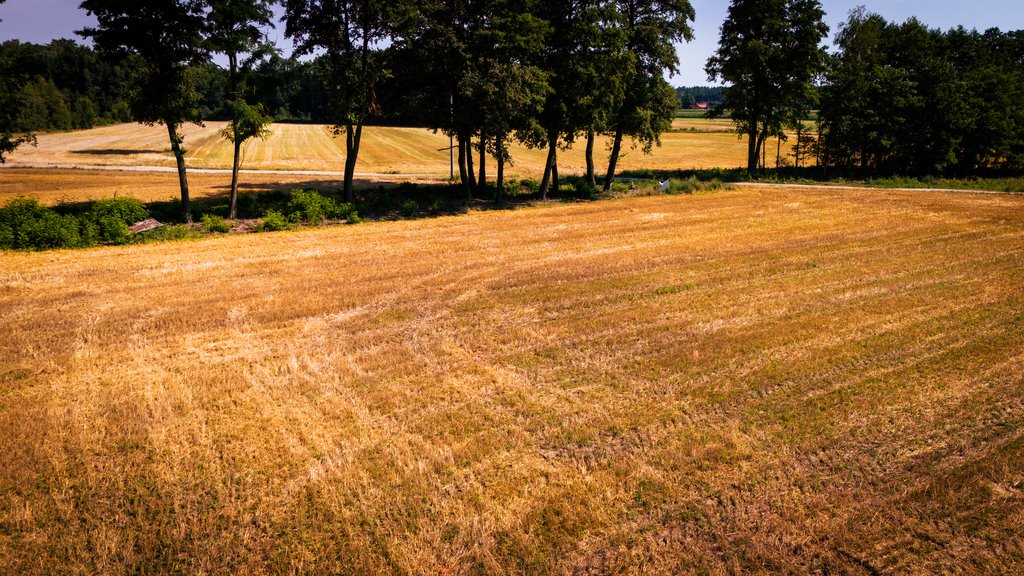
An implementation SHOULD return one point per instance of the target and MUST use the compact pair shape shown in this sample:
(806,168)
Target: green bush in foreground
(313,207)
(214,223)
(107,221)
(409,208)
(274,221)
(27,225)
(692,185)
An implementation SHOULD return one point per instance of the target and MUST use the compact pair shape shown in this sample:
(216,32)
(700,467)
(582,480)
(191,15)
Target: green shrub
(307,205)
(107,220)
(26,225)
(409,208)
(353,217)
(524,187)
(274,221)
(109,230)
(214,223)
(127,210)
(692,185)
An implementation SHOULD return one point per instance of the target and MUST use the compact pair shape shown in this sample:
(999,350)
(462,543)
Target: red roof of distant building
(701,105)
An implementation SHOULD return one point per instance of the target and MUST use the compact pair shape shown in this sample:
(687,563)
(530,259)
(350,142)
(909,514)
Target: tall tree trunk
(464,173)
(613,160)
(554,169)
(482,186)
(353,136)
(546,180)
(796,153)
(234,180)
(236,158)
(817,149)
(763,149)
(752,151)
(469,166)
(591,176)
(179,157)
(499,144)
(778,152)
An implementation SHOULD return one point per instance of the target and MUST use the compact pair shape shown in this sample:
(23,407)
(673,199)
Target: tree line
(689,96)
(550,74)
(906,99)
(546,73)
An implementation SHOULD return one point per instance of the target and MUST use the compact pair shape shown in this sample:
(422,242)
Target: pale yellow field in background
(789,381)
(384,150)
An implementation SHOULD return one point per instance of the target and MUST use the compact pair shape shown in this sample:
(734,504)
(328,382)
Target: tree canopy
(166,37)
(769,55)
(906,99)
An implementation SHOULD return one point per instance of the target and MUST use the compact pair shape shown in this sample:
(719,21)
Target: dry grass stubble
(384,150)
(753,381)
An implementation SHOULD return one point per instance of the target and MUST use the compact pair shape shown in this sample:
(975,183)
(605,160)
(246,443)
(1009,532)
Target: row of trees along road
(541,72)
(906,99)
(893,98)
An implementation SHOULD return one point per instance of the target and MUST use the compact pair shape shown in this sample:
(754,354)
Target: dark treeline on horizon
(690,96)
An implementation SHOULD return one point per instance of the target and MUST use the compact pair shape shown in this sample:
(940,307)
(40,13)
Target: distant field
(55,186)
(779,380)
(384,150)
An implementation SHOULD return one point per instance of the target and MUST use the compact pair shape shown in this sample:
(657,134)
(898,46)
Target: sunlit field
(409,151)
(752,381)
(54,186)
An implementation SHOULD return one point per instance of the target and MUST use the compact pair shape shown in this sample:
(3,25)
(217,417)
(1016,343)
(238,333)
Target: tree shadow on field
(373,199)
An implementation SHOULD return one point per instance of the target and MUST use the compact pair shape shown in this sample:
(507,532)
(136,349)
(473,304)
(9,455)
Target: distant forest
(65,85)
(689,96)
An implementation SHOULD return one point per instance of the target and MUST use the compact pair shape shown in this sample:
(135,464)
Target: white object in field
(663,186)
(147,224)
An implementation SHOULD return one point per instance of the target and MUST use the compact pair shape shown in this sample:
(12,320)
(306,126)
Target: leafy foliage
(274,221)
(770,55)
(314,207)
(650,30)
(906,99)
(214,223)
(165,37)
(25,224)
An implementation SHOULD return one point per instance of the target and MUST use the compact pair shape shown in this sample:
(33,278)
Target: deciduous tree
(167,37)
(769,55)
(651,28)
(237,31)
(349,32)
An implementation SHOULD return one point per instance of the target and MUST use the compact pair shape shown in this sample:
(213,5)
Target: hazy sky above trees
(40,21)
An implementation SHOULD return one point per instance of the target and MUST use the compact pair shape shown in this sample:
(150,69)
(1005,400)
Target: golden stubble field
(54,186)
(753,381)
(384,150)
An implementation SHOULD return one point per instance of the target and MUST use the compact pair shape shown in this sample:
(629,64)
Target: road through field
(784,380)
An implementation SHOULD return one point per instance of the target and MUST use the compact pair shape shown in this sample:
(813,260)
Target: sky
(40,21)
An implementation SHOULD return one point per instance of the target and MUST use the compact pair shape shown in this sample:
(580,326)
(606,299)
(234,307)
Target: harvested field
(754,381)
(384,150)
(52,187)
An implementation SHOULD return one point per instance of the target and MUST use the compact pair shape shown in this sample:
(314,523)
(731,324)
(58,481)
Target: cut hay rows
(755,381)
